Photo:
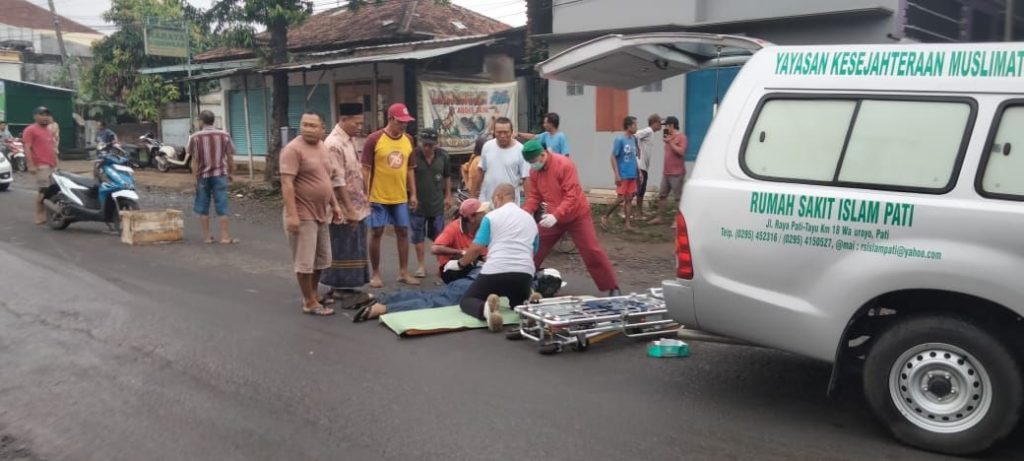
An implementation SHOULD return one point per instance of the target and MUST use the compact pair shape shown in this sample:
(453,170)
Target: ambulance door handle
(1006,148)
(761,137)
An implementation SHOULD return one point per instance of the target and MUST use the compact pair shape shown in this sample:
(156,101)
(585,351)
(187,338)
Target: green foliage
(114,76)
(235,21)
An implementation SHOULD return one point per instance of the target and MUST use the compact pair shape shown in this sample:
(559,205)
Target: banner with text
(462,112)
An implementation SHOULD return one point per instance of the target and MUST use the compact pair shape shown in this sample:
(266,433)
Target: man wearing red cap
(389,166)
(555,184)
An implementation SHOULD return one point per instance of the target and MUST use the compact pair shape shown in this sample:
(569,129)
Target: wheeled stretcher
(578,322)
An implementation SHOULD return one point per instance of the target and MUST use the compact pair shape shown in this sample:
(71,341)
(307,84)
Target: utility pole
(60,36)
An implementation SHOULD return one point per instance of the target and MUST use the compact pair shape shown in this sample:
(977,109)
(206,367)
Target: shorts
(627,188)
(671,185)
(423,226)
(311,247)
(389,215)
(641,189)
(215,188)
(42,176)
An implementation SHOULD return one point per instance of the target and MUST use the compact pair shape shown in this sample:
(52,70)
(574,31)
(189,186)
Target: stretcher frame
(575,322)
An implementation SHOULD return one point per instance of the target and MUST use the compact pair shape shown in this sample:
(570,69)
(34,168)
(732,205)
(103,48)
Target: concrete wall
(10,71)
(591,149)
(716,11)
(590,15)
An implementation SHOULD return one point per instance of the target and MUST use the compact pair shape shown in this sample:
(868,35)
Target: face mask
(537,166)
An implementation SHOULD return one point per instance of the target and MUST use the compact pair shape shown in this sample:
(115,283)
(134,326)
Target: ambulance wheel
(582,343)
(550,348)
(514,334)
(944,384)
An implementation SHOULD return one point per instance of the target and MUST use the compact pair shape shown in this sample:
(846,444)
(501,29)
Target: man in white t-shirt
(645,141)
(502,163)
(510,237)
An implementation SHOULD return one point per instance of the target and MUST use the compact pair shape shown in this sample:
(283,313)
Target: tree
(114,75)
(236,19)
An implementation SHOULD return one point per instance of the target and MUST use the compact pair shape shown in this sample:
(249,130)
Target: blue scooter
(73,198)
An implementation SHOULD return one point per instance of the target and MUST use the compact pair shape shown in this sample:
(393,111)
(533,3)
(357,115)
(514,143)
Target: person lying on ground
(453,242)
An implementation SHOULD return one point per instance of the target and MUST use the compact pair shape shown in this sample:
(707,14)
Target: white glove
(452,265)
(548,220)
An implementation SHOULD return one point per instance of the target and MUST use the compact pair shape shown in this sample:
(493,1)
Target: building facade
(591,117)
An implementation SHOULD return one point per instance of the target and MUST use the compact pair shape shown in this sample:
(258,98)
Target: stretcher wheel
(514,334)
(550,348)
(582,343)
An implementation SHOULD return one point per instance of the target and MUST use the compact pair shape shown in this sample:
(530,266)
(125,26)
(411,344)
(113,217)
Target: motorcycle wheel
(20,165)
(162,165)
(3,187)
(122,205)
(57,221)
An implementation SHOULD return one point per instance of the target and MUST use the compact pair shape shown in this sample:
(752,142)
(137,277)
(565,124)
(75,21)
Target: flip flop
(233,241)
(359,302)
(209,241)
(320,311)
(376,283)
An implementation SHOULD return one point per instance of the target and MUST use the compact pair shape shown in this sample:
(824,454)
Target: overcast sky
(89,12)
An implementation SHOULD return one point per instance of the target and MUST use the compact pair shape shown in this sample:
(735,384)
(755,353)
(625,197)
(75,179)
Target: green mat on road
(451,318)
(440,320)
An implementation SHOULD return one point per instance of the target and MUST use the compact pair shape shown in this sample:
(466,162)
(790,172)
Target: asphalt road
(196,352)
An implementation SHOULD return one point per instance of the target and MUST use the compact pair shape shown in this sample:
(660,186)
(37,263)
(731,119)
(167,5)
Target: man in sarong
(350,264)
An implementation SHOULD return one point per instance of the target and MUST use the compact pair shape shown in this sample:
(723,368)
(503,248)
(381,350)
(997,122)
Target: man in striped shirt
(213,163)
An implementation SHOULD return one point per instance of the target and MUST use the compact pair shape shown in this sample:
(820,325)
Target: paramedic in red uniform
(554,182)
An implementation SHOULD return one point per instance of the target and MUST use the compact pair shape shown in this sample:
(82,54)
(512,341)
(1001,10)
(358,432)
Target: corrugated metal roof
(415,55)
(38,85)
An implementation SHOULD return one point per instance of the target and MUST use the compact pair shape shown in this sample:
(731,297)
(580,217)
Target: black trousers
(641,188)
(513,285)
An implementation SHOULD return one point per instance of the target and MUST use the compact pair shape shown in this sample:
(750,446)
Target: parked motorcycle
(15,152)
(166,157)
(73,198)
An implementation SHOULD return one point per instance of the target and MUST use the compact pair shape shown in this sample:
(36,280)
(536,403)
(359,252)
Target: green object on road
(440,320)
(668,348)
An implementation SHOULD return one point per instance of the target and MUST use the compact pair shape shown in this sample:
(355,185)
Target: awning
(199,67)
(415,55)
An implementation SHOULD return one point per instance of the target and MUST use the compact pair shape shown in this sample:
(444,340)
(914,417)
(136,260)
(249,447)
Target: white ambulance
(858,204)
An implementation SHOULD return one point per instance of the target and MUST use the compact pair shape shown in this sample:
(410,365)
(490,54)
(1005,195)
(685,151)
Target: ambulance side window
(905,143)
(1003,174)
(799,139)
(911,144)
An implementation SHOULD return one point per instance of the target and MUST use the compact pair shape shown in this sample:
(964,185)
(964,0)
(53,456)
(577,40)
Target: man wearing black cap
(434,190)
(40,155)
(350,264)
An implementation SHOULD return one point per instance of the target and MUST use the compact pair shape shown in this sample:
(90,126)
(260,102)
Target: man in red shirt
(555,184)
(675,168)
(40,155)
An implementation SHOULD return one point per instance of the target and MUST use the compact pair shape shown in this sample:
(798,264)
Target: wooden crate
(151,227)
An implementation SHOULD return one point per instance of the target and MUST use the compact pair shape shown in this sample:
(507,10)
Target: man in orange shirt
(389,165)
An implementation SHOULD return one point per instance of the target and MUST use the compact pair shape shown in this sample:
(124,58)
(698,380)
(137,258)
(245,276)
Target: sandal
(358,301)
(208,241)
(366,313)
(232,241)
(320,311)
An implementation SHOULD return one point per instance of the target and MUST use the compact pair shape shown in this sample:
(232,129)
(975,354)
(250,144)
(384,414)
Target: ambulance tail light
(684,260)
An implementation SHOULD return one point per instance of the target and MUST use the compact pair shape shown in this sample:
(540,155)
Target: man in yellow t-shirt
(389,166)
